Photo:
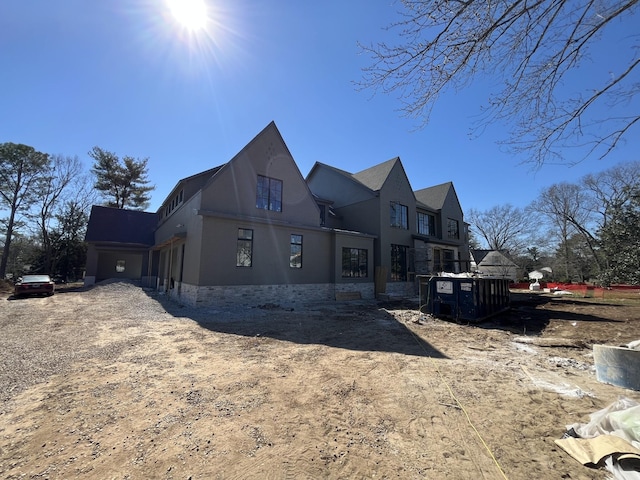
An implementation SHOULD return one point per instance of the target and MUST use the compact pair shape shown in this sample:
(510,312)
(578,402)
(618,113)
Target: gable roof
(198,180)
(478,255)
(434,197)
(117,225)
(348,175)
(270,129)
(201,177)
(374,177)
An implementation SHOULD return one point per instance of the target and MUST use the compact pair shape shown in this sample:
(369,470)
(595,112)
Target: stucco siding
(233,189)
(351,240)
(327,183)
(271,250)
(396,188)
(131,262)
(362,216)
(193,241)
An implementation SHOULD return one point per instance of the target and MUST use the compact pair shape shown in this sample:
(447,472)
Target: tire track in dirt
(274,394)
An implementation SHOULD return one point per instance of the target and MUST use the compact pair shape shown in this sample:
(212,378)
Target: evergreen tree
(620,240)
(122,182)
(22,170)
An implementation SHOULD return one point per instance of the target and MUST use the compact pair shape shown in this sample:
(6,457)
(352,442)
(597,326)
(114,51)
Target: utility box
(463,298)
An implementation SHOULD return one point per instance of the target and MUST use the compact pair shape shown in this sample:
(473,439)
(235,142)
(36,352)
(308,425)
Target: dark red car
(32,284)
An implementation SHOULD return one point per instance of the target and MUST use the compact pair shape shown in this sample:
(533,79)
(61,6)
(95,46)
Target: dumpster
(463,298)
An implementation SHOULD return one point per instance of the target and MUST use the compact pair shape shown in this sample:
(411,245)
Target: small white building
(494,264)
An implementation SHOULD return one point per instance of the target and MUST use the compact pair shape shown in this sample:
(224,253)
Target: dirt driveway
(116,382)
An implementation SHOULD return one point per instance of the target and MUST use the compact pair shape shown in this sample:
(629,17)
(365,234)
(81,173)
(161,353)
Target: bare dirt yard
(117,382)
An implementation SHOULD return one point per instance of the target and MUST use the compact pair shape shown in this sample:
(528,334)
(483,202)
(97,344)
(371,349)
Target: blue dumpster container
(463,299)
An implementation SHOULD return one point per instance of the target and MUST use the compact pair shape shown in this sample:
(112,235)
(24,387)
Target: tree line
(47,200)
(584,231)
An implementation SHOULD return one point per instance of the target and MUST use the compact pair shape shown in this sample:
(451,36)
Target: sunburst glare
(191,14)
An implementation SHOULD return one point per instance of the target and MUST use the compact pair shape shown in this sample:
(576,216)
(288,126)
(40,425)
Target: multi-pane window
(399,215)
(426,224)
(244,250)
(269,194)
(175,202)
(398,263)
(295,259)
(355,262)
(452,228)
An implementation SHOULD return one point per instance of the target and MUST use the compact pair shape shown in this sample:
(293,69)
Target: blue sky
(125,76)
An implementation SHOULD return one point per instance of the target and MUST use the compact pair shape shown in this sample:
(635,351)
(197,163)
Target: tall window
(323,214)
(398,263)
(355,262)
(449,260)
(399,215)
(452,228)
(269,194)
(245,247)
(426,224)
(437,260)
(295,259)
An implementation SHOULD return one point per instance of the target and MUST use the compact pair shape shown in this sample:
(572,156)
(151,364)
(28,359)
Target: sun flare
(191,14)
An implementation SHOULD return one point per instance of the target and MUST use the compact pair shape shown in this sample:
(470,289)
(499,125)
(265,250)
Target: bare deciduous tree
(569,209)
(612,188)
(585,208)
(534,48)
(503,227)
(63,172)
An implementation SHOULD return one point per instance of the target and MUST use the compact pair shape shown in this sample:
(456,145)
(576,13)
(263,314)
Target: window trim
(449,260)
(174,203)
(352,257)
(453,233)
(430,223)
(266,191)
(398,215)
(244,241)
(401,261)
(295,243)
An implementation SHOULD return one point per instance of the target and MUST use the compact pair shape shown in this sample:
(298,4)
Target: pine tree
(620,239)
(123,183)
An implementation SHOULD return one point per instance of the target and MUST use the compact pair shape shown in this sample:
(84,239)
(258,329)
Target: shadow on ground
(531,313)
(361,326)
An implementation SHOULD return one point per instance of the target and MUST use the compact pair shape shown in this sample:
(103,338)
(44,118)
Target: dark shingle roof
(375,176)
(434,197)
(133,227)
(197,180)
(478,254)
